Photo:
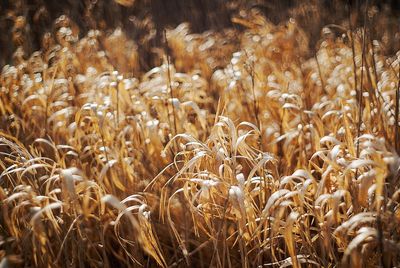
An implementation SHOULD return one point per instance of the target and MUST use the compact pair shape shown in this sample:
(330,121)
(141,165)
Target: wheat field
(243,147)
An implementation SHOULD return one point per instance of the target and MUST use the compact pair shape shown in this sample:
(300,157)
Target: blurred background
(24,23)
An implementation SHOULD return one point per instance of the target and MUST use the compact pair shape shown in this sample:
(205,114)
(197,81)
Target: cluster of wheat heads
(253,153)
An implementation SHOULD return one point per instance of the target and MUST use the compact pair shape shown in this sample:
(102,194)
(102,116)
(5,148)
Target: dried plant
(242,149)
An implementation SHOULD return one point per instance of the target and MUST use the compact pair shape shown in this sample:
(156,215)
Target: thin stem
(396,119)
(170,82)
(47,101)
(320,73)
(353,51)
(360,94)
(117,105)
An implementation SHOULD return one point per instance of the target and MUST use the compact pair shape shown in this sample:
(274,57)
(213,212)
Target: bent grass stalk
(266,176)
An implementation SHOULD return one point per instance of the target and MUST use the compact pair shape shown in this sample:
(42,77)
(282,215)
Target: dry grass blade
(125,143)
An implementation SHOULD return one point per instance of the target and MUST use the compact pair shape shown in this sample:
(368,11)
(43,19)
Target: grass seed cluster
(243,149)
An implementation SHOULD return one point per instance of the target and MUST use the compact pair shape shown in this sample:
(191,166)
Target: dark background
(145,16)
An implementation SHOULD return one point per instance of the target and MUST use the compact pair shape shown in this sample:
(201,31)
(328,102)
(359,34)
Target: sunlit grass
(245,150)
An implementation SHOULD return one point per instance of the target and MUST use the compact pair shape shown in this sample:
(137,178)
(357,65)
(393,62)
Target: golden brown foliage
(250,153)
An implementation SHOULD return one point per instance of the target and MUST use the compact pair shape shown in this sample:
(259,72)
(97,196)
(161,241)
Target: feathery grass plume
(268,158)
